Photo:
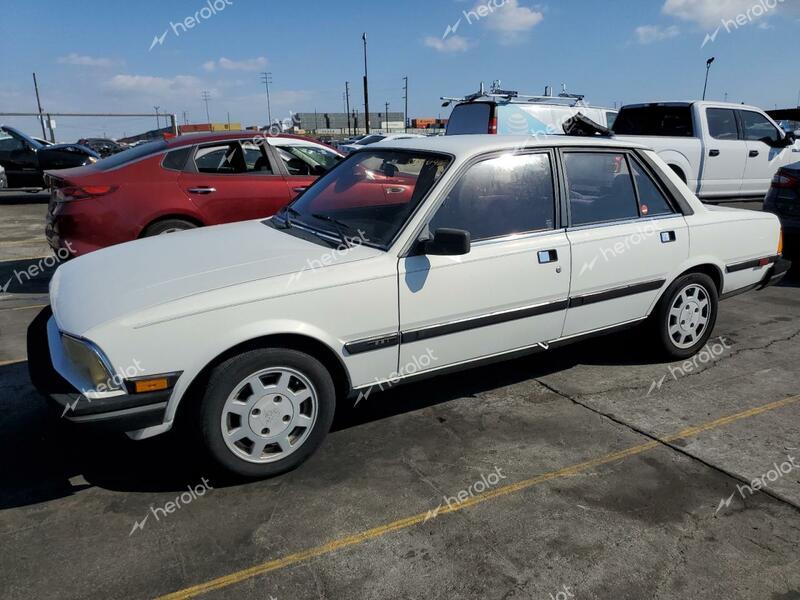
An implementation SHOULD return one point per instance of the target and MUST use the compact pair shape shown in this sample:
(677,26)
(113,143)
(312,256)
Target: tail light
(74,192)
(493,125)
(780,243)
(783,180)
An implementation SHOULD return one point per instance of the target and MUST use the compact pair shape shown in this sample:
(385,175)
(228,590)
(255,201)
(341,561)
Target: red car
(188,181)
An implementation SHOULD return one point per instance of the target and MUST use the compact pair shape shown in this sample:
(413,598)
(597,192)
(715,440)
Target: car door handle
(667,237)
(300,189)
(547,256)
(714,152)
(203,190)
(395,190)
(753,153)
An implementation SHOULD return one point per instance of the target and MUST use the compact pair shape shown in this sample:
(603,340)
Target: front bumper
(124,412)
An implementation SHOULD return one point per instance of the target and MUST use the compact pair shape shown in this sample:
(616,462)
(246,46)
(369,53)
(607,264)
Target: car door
(626,237)
(510,291)
(233,180)
(19,161)
(763,157)
(725,159)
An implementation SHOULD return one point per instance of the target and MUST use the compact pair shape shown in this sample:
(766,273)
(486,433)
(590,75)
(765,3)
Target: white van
(507,112)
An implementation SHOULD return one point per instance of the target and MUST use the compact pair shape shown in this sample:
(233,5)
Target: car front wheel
(266,411)
(686,315)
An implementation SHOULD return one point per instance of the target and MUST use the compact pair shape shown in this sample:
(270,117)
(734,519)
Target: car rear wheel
(266,411)
(686,315)
(168,226)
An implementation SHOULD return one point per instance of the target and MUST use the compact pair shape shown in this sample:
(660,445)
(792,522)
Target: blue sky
(96,56)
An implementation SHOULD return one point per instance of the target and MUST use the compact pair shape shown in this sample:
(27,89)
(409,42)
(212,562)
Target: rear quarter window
(176,160)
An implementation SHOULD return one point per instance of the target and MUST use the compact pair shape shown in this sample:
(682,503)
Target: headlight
(88,359)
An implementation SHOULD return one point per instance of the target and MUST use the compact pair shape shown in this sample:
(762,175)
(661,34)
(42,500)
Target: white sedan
(409,258)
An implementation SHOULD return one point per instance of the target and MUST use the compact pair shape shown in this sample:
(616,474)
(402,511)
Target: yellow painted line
(376,532)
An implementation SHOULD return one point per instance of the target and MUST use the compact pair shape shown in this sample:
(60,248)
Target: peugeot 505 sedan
(405,260)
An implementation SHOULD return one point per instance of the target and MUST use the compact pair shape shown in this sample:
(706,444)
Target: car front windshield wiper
(339,225)
(285,212)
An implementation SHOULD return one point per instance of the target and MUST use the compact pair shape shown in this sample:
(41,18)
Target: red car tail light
(493,125)
(74,192)
(784,180)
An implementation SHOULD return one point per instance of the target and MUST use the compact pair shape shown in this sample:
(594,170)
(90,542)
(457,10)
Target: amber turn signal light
(780,243)
(150,385)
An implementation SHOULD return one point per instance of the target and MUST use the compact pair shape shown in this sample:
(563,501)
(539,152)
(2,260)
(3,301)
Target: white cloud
(180,87)
(248,64)
(454,43)
(648,34)
(85,61)
(710,13)
(512,18)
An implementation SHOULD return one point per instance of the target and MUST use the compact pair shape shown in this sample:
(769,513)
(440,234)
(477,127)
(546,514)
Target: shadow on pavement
(47,457)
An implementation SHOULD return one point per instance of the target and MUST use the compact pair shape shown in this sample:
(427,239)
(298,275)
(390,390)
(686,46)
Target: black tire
(168,226)
(662,318)
(229,375)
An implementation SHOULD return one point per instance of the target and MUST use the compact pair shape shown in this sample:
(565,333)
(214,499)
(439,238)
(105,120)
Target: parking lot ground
(594,471)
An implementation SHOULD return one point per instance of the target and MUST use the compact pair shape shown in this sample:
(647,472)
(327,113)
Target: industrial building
(337,122)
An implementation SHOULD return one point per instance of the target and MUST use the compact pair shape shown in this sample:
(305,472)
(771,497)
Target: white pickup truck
(721,150)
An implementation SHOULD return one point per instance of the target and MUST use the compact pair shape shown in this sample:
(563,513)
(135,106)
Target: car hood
(131,278)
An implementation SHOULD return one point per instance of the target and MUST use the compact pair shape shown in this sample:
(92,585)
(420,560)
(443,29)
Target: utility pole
(366,84)
(158,123)
(316,125)
(39,104)
(355,120)
(347,105)
(266,78)
(405,99)
(386,115)
(229,120)
(185,118)
(206,96)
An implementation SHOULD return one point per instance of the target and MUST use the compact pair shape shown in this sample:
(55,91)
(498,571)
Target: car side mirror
(446,242)
(790,138)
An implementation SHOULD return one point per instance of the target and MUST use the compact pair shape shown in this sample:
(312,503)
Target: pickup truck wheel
(266,411)
(686,314)
(168,226)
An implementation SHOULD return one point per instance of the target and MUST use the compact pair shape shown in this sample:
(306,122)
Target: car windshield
(368,196)
(370,139)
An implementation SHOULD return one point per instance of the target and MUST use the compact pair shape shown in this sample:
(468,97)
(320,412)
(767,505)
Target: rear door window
(722,123)
(651,201)
(469,118)
(599,187)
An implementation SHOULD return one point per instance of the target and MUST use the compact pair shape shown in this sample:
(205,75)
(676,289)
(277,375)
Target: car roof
(467,145)
(202,137)
(700,103)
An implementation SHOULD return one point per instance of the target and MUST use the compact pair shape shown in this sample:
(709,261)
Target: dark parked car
(783,200)
(103,146)
(25,159)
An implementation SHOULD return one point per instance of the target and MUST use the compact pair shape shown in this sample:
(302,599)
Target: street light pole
(366,84)
(708,68)
(158,123)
